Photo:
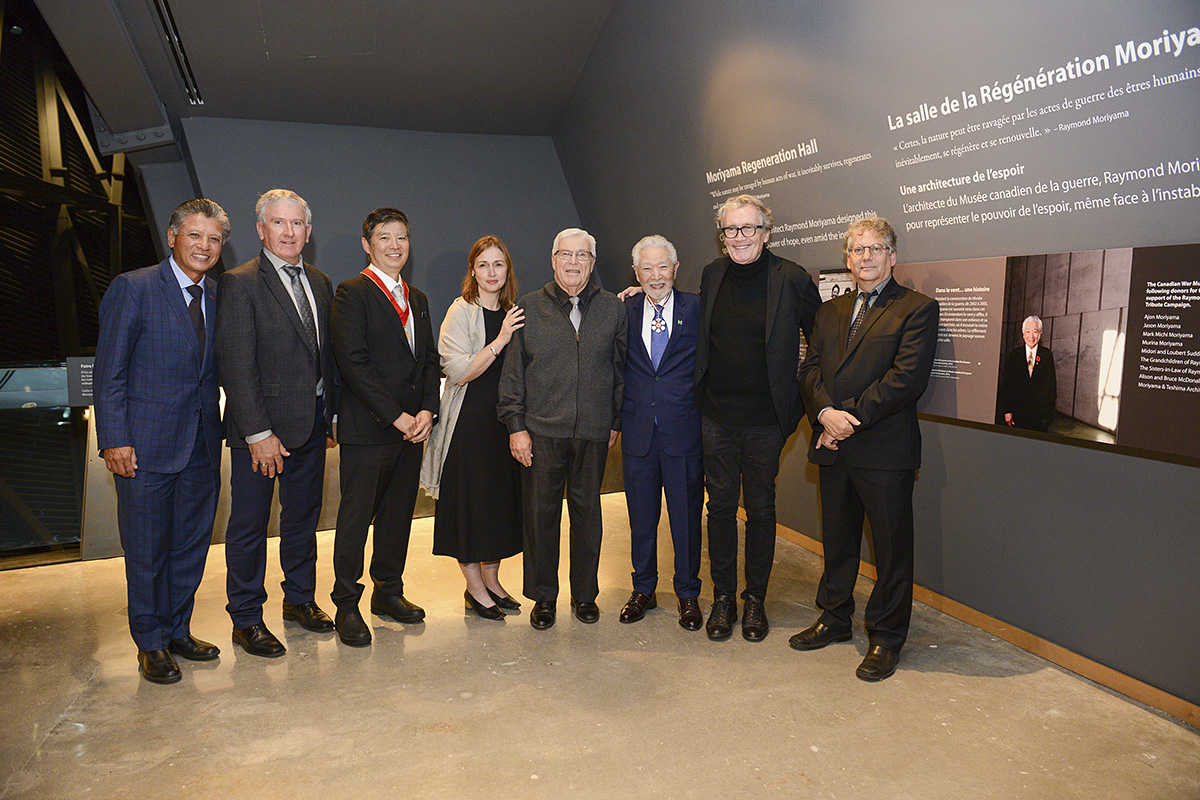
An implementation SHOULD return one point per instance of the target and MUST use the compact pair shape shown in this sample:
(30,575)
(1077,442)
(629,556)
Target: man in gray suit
(278,374)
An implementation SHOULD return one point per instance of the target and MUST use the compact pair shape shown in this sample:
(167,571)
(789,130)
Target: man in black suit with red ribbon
(1029,386)
(388,401)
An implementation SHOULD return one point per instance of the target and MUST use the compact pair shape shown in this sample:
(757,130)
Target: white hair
(570,232)
(1036,320)
(649,242)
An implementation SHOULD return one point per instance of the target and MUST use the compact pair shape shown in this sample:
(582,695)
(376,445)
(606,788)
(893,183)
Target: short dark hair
(382,216)
(203,207)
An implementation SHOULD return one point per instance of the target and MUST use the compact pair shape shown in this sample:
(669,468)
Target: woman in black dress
(468,468)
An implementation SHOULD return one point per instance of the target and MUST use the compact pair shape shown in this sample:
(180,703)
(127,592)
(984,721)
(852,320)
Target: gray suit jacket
(267,368)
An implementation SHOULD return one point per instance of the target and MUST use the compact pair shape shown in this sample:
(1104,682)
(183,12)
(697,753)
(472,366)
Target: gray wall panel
(1090,549)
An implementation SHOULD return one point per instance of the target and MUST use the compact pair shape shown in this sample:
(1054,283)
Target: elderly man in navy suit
(158,426)
(660,423)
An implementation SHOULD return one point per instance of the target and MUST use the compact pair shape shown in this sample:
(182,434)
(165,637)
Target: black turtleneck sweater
(736,390)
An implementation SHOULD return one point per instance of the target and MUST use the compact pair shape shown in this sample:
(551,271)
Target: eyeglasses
(745,230)
(876,250)
(582,256)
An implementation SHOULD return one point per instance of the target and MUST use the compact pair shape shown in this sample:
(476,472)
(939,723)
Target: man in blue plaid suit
(158,425)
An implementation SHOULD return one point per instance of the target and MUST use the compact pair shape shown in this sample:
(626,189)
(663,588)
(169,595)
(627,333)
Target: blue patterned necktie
(658,333)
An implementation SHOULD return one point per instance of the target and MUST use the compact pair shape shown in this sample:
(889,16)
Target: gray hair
(1035,319)
(568,233)
(741,201)
(877,225)
(203,207)
(649,242)
(274,196)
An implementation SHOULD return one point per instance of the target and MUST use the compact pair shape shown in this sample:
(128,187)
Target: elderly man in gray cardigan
(560,397)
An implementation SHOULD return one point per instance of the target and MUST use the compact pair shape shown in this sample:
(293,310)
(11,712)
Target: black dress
(478,514)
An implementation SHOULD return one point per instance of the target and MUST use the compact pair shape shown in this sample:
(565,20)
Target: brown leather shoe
(690,615)
(637,606)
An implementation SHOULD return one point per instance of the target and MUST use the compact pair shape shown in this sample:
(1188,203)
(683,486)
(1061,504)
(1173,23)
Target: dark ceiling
(464,66)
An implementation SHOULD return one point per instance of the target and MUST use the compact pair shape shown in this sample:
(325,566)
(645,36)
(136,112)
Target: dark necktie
(302,306)
(658,334)
(861,315)
(196,310)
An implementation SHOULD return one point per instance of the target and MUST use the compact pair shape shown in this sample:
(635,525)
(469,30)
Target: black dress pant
(576,465)
(379,485)
(885,497)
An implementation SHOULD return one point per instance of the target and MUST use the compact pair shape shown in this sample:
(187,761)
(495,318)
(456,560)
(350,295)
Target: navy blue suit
(661,446)
(156,390)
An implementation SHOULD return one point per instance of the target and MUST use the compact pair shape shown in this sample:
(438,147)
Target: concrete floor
(461,707)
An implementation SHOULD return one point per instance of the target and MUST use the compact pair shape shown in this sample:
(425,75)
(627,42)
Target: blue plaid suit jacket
(151,379)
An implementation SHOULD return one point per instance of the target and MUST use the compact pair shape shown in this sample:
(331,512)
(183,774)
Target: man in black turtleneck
(753,305)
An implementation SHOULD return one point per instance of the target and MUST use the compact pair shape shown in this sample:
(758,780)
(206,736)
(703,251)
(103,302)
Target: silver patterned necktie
(302,306)
(576,314)
(398,293)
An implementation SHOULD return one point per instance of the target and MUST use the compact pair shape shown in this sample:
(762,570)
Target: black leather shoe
(817,635)
(258,641)
(880,663)
(157,666)
(754,620)
(542,616)
(352,628)
(193,649)
(309,615)
(721,618)
(396,607)
(585,611)
(637,606)
(487,612)
(507,602)
(690,615)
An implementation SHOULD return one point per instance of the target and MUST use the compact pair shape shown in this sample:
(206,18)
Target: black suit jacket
(878,377)
(381,376)
(792,302)
(1029,398)
(264,358)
